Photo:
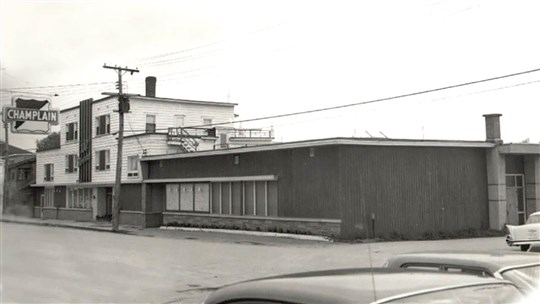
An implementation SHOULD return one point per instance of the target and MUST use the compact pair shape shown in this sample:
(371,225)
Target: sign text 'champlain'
(21,114)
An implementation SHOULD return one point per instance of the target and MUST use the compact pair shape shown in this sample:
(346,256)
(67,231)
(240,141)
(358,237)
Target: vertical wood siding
(412,190)
(409,190)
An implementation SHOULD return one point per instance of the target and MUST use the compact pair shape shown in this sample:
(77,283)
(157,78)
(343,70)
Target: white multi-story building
(76,180)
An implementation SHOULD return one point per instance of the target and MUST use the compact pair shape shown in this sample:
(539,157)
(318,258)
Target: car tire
(524,247)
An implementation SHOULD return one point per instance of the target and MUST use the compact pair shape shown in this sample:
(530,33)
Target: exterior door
(516,210)
(108,203)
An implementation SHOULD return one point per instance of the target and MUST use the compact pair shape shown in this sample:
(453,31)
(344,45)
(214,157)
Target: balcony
(190,138)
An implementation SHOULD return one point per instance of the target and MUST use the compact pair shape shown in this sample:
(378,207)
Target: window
(49,172)
(47,198)
(79,198)
(103,158)
(23,174)
(133,166)
(72,130)
(207,121)
(150,123)
(188,197)
(72,163)
(252,198)
(179,120)
(103,124)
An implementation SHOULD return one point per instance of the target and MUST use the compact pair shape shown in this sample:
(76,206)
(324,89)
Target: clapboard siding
(165,114)
(48,157)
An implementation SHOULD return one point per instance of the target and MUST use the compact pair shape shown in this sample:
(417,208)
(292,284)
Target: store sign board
(30,116)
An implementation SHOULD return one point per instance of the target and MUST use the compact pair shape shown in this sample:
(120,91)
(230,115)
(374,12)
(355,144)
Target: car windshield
(524,277)
(533,219)
(485,294)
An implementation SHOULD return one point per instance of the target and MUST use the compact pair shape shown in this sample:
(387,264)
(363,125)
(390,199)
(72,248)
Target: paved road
(51,265)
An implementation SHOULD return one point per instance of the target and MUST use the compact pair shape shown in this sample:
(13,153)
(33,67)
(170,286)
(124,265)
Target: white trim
(498,273)
(328,142)
(304,237)
(431,290)
(213,179)
(283,219)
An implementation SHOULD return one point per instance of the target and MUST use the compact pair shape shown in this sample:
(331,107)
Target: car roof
(343,286)
(490,261)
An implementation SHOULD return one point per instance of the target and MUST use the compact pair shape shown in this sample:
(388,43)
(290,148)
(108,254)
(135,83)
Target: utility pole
(5,195)
(123,107)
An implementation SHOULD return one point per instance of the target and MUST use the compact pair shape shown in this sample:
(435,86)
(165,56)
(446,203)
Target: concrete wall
(496,178)
(301,226)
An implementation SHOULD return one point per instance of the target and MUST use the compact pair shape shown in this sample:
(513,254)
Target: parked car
(368,285)
(524,235)
(535,247)
(523,269)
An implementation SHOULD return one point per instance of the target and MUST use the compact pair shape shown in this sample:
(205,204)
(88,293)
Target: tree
(48,143)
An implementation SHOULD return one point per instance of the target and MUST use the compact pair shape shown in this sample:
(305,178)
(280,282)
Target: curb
(59,225)
(318,238)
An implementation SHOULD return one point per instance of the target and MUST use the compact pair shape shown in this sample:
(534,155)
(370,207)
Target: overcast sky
(275,57)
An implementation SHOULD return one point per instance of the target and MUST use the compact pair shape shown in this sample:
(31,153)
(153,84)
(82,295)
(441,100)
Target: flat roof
(329,142)
(185,101)
(521,148)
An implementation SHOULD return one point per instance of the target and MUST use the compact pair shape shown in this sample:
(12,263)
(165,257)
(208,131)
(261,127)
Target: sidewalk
(95,226)
(208,234)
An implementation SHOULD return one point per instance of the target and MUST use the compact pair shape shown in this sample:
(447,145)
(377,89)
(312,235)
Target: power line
(378,100)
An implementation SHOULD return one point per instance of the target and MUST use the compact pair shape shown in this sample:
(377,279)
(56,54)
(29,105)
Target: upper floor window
(103,124)
(150,123)
(49,172)
(179,120)
(23,174)
(103,158)
(72,163)
(133,166)
(72,130)
(207,121)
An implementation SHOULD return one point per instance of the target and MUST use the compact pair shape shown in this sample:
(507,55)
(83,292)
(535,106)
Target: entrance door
(108,203)
(515,199)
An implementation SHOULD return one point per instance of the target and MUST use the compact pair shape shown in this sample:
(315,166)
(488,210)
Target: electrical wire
(378,100)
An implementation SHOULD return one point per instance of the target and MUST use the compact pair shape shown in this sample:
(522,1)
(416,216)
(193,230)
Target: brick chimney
(151,86)
(493,128)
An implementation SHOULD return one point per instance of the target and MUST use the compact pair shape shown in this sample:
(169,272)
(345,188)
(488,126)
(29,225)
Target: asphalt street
(52,265)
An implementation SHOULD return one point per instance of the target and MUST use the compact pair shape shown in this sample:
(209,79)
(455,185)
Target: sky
(277,57)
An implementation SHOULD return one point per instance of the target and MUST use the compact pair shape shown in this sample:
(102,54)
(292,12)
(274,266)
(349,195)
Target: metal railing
(251,133)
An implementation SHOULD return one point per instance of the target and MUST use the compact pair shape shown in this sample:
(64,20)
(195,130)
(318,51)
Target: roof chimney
(493,128)
(151,86)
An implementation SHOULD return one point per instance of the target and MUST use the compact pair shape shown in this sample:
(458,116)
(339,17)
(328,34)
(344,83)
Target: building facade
(76,180)
(20,177)
(350,188)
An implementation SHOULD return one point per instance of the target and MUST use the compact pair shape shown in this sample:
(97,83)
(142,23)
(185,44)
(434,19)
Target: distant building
(76,180)
(21,173)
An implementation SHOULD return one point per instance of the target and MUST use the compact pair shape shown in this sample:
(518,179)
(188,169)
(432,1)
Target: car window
(448,268)
(533,219)
(484,294)
(524,277)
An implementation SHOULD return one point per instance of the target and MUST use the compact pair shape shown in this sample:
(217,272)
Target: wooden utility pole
(123,107)
(5,195)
